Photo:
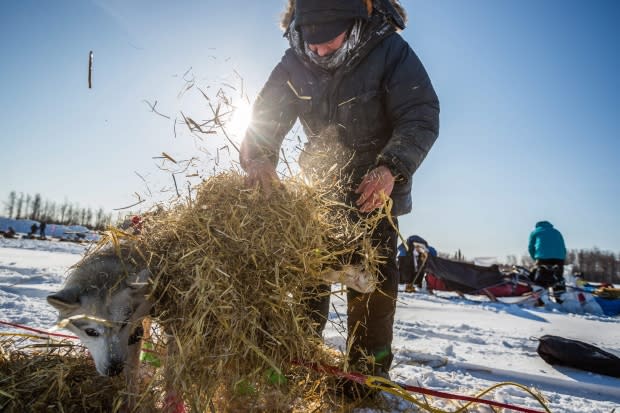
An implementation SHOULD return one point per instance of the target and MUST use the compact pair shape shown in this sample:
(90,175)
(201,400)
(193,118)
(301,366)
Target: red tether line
(38,331)
(361,378)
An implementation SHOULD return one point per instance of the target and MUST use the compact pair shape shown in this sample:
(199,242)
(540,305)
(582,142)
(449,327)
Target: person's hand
(262,174)
(377,184)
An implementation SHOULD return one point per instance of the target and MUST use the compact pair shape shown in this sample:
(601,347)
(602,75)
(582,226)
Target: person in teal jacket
(546,247)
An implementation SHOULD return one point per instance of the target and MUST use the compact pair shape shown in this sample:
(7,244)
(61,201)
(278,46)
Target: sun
(240,120)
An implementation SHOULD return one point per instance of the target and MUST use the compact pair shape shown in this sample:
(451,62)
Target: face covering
(335,60)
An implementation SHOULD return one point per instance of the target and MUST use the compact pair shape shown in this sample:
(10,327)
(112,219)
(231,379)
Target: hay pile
(58,378)
(230,273)
(230,269)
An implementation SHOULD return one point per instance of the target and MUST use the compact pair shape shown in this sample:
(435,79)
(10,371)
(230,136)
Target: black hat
(322,20)
(324,32)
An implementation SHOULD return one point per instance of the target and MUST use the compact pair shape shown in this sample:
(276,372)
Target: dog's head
(103,302)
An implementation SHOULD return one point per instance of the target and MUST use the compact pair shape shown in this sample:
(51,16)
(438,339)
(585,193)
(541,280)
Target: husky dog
(103,302)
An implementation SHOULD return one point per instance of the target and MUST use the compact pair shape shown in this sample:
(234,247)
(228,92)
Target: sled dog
(103,302)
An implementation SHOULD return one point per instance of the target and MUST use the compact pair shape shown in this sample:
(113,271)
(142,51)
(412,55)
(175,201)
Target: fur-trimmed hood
(288,13)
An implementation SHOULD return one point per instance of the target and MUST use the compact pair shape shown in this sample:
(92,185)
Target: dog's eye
(92,332)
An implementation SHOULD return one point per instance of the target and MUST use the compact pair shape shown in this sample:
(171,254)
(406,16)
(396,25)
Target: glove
(377,184)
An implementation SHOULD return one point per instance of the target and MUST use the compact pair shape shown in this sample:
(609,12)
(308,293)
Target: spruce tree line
(20,206)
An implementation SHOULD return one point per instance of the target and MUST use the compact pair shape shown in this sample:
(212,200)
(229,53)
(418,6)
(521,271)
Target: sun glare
(240,120)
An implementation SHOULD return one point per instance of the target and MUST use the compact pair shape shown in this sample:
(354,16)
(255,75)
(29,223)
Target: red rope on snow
(38,331)
(362,379)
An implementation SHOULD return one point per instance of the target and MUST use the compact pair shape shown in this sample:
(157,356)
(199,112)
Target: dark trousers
(370,317)
(549,273)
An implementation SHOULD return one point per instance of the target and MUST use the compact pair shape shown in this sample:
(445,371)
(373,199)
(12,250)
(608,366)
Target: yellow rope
(24,335)
(387,202)
(388,386)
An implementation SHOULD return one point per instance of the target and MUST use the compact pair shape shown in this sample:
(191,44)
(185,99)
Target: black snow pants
(370,317)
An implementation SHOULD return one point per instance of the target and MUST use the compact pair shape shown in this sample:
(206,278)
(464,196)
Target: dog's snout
(114,369)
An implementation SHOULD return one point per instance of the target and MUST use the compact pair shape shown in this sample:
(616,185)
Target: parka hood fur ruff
(290,9)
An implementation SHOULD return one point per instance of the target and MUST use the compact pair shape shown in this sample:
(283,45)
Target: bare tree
(100,219)
(10,205)
(52,212)
(68,215)
(89,217)
(83,217)
(64,209)
(20,205)
(75,215)
(36,208)
(28,201)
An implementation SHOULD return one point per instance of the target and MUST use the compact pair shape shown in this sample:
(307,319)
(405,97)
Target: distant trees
(596,265)
(37,209)
(457,256)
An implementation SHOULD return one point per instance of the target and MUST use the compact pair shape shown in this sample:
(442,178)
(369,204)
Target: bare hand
(375,187)
(262,174)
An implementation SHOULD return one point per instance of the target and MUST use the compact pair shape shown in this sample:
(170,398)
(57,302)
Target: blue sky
(529,92)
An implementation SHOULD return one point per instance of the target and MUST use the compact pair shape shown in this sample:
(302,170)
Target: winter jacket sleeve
(413,109)
(273,116)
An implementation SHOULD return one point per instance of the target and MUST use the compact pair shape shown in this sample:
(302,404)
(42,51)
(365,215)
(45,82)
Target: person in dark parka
(367,105)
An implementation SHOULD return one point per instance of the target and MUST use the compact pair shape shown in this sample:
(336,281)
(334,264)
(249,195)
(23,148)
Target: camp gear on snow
(444,274)
(577,354)
(412,258)
(610,306)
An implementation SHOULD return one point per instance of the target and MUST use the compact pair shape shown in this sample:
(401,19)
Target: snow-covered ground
(445,343)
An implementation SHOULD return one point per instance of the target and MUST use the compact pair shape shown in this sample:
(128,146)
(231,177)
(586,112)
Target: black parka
(378,108)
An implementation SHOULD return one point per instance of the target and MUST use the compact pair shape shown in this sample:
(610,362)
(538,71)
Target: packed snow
(441,342)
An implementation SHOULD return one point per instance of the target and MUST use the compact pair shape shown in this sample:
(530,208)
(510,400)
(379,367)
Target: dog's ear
(65,300)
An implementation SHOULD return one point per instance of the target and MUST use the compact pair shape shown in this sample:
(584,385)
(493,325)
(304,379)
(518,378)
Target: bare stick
(90,70)
(176,188)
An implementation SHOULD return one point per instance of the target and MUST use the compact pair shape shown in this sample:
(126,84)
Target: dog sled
(465,278)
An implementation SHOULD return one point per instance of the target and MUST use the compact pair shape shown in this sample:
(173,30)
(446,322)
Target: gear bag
(579,355)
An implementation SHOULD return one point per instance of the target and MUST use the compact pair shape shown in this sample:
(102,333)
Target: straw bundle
(59,378)
(231,271)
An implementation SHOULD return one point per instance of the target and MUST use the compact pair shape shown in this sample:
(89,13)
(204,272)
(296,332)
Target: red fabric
(509,290)
(435,283)
(505,290)
(174,404)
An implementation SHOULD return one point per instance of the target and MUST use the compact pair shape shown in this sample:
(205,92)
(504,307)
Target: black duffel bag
(579,355)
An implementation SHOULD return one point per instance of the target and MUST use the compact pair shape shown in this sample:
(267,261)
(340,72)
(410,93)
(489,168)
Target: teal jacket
(546,242)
